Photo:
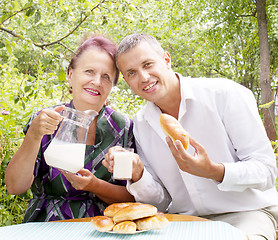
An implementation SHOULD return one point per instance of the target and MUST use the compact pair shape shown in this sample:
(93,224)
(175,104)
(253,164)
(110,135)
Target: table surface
(179,227)
(170,217)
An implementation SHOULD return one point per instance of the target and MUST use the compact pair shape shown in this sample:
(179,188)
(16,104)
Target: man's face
(146,71)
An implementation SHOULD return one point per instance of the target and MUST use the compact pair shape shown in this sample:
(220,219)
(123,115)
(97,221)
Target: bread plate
(138,231)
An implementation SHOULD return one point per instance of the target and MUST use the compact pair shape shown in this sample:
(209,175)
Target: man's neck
(171,104)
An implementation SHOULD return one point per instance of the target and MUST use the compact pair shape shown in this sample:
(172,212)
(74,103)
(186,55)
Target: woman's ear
(70,76)
(167,59)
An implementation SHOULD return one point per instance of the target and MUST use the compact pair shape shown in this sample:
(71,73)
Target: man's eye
(130,74)
(89,71)
(148,64)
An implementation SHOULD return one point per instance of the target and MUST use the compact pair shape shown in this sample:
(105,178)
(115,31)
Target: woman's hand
(107,192)
(137,165)
(199,164)
(46,122)
(84,180)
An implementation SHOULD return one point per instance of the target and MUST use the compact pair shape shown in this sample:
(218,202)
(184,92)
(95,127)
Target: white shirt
(223,117)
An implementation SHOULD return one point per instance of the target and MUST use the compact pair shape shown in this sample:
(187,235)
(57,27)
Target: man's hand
(137,165)
(199,164)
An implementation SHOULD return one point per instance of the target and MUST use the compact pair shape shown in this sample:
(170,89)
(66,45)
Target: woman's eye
(106,77)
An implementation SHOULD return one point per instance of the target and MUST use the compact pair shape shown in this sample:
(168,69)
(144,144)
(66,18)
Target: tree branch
(73,30)
(11,32)
(57,41)
(60,43)
(220,73)
(14,14)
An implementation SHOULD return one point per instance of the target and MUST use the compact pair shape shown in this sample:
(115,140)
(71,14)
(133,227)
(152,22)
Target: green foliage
(12,208)
(38,38)
(122,99)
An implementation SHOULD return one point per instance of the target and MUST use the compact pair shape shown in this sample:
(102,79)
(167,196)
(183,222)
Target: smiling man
(229,171)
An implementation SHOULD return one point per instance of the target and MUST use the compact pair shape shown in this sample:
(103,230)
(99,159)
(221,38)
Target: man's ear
(167,59)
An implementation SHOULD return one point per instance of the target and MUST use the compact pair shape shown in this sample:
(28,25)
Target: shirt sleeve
(149,189)
(256,165)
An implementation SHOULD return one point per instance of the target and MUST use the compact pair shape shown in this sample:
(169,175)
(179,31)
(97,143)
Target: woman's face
(91,79)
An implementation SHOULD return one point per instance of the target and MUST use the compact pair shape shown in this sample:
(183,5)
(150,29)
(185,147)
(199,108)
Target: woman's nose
(96,79)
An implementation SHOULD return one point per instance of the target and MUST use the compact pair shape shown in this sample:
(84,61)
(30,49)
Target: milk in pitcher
(65,156)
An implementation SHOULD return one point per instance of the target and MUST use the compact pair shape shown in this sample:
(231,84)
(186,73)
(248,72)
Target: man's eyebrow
(142,63)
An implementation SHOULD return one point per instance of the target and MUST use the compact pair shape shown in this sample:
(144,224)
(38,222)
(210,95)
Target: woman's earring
(70,90)
(107,101)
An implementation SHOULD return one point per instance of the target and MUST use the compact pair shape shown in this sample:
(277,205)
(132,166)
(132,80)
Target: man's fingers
(198,147)
(171,145)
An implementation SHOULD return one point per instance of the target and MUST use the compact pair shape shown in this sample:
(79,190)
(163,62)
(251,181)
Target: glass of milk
(67,149)
(123,158)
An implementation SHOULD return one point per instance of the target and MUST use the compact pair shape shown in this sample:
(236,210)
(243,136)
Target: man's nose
(144,75)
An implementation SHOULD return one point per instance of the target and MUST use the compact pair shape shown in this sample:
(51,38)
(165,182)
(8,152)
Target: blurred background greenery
(37,38)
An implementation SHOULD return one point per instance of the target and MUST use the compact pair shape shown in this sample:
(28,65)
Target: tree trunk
(267,94)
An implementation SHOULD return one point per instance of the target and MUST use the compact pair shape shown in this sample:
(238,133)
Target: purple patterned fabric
(53,196)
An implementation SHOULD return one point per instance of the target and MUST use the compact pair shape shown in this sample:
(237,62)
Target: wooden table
(170,217)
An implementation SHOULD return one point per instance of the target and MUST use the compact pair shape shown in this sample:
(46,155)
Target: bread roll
(172,128)
(112,209)
(125,227)
(102,223)
(134,211)
(153,222)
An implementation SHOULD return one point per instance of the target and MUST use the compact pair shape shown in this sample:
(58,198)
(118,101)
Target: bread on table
(128,218)
(102,223)
(135,211)
(112,209)
(172,128)
(153,222)
(125,227)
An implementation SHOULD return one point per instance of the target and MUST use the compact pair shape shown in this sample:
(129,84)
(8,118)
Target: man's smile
(150,86)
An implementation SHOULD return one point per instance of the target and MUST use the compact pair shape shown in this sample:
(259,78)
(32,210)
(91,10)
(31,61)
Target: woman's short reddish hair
(102,43)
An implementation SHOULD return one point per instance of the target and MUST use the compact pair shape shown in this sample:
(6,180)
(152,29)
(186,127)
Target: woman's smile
(91,91)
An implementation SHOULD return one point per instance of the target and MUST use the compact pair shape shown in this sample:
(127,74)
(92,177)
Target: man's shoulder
(139,116)
(210,82)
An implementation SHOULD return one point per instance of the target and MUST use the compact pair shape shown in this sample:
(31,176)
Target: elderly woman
(61,195)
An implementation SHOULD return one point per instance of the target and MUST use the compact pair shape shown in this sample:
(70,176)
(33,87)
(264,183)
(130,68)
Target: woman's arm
(108,192)
(19,173)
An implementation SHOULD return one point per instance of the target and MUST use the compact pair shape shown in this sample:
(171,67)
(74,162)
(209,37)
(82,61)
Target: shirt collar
(186,95)
(152,111)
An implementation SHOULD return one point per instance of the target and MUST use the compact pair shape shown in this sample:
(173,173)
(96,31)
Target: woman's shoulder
(119,118)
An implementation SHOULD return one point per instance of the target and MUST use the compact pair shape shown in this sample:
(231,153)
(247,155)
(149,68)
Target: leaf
(62,76)
(30,12)
(37,16)
(23,104)
(27,89)
(16,99)
(9,49)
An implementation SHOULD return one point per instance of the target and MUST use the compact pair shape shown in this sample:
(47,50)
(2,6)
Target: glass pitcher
(67,149)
